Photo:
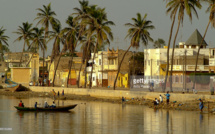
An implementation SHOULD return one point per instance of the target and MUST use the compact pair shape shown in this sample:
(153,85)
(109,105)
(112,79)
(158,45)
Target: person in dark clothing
(201,105)
(35,105)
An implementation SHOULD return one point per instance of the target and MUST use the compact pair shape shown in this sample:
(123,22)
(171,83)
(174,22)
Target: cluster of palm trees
(88,26)
(178,8)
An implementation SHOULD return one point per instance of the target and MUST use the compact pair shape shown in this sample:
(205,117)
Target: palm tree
(3,42)
(71,38)
(180,6)
(25,32)
(37,42)
(57,35)
(82,15)
(83,11)
(87,47)
(159,43)
(46,17)
(99,25)
(211,10)
(138,31)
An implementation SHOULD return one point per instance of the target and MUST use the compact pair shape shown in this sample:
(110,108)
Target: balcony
(112,56)
(189,68)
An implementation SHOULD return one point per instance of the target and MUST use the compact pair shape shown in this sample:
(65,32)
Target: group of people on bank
(156,101)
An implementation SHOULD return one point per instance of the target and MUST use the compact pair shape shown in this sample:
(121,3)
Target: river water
(100,118)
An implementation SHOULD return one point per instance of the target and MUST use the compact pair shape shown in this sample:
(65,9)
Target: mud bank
(209,106)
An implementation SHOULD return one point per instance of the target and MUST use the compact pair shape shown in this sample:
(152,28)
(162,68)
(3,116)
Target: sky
(14,12)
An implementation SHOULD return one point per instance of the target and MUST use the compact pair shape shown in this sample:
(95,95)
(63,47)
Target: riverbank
(173,105)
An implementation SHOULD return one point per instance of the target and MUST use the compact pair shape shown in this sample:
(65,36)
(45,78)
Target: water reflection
(100,117)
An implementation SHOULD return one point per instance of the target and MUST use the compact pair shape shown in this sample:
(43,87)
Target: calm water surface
(100,118)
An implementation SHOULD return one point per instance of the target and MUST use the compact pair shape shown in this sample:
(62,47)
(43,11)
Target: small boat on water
(59,108)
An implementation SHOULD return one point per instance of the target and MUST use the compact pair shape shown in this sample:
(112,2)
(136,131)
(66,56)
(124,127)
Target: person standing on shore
(201,105)
(63,93)
(161,98)
(167,97)
(53,93)
(35,105)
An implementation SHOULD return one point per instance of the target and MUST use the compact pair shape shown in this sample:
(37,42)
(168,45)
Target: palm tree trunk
(167,68)
(92,65)
(30,59)
(173,49)
(22,54)
(79,73)
(43,66)
(85,83)
(56,68)
(44,41)
(120,67)
(70,67)
(197,56)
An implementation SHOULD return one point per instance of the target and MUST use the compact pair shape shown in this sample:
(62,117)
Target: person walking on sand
(201,105)
(167,97)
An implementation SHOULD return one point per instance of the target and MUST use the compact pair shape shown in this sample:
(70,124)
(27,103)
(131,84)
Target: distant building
(63,70)
(183,62)
(105,68)
(29,60)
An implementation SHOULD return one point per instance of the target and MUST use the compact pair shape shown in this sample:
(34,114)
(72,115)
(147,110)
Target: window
(100,62)
(176,79)
(93,78)
(111,61)
(100,76)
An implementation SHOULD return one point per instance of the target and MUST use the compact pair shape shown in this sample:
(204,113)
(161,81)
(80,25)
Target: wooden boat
(60,108)
(12,87)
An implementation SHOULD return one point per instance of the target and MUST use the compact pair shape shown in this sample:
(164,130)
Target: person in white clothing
(161,98)
(46,105)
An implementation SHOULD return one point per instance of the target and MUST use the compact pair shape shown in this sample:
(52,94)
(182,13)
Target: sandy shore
(173,105)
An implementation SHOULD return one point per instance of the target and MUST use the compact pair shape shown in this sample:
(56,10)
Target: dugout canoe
(59,108)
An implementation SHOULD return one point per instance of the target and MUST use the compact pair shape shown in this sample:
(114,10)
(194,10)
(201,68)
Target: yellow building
(63,70)
(29,60)
(18,77)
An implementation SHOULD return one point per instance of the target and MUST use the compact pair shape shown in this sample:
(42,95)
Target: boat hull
(60,108)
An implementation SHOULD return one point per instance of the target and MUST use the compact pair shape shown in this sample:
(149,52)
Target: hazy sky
(14,12)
